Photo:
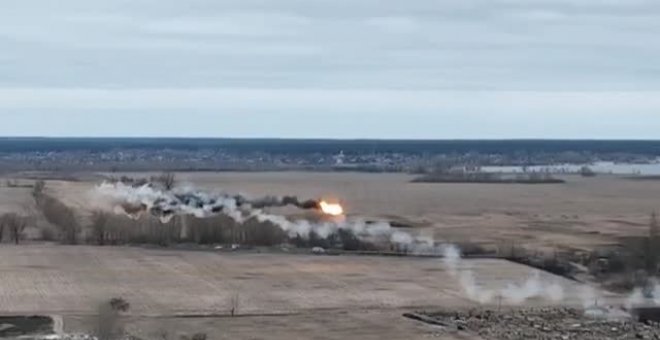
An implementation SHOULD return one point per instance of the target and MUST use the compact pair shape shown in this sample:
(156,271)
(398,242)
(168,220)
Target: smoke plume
(648,295)
(165,204)
(513,293)
(135,201)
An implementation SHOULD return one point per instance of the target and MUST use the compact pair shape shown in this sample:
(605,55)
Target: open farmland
(290,295)
(305,291)
(72,279)
(582,213)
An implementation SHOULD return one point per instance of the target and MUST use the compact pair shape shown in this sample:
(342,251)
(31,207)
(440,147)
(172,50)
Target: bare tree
(3,224)
(99,227)
(2,227)
(38,190)
(15,224)
(167,180)
(60,215)
(651,246)
(234,304)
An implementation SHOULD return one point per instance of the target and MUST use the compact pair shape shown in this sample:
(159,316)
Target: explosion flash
(332,209)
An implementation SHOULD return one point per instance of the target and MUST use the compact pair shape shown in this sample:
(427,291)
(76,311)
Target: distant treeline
(328,146)
(490,178)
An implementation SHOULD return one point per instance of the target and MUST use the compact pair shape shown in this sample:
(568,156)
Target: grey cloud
(281,52)
(425,44)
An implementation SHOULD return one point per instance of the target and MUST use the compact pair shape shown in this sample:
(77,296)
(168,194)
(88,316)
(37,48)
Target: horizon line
(339,139)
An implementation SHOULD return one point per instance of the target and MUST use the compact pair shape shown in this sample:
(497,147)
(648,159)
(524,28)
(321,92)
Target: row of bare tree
(104,228)
(14,224)
(56,213)
(110,229)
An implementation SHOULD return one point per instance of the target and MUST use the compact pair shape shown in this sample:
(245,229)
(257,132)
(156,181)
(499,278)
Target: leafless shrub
(119,305)
(167,180)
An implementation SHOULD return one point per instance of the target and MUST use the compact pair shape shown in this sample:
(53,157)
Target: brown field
(306,291)
(581,214)
(285,296)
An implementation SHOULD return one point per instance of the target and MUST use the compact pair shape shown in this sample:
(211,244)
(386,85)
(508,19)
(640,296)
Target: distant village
(210,159)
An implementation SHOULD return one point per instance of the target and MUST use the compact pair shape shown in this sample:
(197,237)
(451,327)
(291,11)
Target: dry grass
(337,297)
(583,213)
(61,279)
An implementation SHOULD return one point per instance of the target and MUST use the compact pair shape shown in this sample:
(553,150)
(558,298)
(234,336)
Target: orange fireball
(332,209)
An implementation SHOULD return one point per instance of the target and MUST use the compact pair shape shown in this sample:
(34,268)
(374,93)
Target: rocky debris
(544,324)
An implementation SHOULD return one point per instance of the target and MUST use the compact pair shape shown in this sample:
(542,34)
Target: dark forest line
(328,146)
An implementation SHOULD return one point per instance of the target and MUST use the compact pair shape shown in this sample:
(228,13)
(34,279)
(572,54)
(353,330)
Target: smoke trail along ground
(513,293)
(160,203)
(166,204)
(135,201)
(594,303)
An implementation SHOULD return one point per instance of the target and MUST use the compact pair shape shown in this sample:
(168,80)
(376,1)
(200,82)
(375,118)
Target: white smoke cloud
(635,298)
(648,295)
(513,293)
(451,258)
(188,201)
(399,237)
(473,290)
(533,287)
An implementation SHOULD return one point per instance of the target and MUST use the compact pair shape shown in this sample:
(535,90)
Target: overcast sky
(331,68)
